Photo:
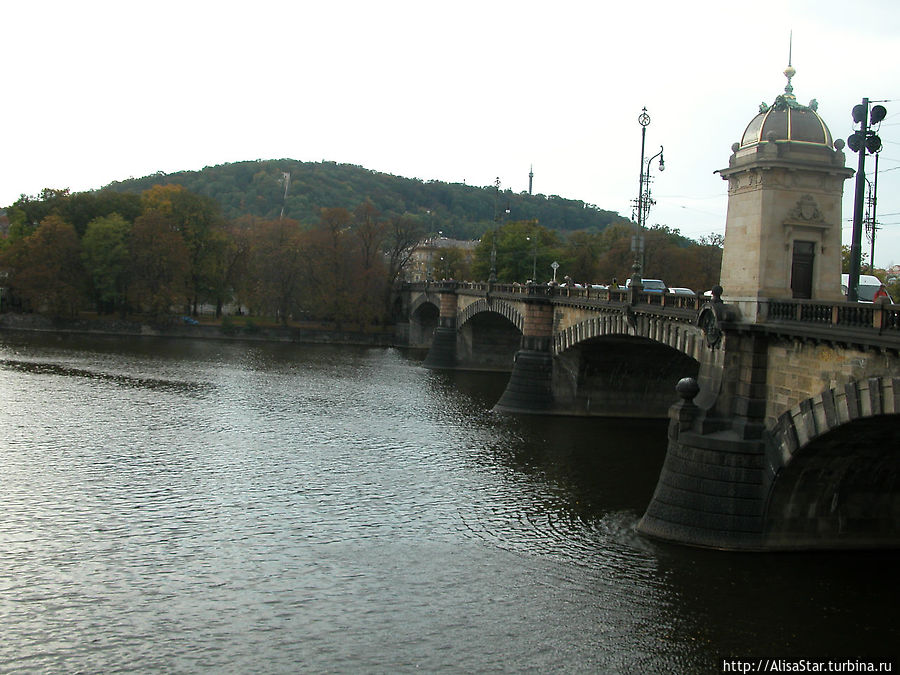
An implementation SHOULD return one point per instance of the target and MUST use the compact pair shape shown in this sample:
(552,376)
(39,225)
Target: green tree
(32,211)
(616,259)
(580,256)
(522,247)
(81,208)
(845,259)
(106,258)
(460,211)
(451,263)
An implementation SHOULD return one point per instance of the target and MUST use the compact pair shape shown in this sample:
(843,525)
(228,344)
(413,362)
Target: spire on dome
(789,72)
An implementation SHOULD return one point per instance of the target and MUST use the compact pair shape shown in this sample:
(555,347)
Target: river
(178,506)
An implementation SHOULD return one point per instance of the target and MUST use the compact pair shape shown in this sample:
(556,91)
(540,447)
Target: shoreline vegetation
(152,261)
(228,328)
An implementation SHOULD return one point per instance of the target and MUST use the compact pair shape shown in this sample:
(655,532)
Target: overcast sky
(95,92)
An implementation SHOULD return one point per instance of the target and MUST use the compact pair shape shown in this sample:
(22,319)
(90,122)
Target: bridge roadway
(784,432)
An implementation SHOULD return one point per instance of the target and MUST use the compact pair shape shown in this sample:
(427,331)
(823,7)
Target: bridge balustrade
(595,296)
(882,319)
(852,315)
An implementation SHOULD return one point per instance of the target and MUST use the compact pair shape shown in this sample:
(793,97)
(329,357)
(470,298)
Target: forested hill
(461,211)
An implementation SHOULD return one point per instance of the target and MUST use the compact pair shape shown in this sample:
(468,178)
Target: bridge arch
(489,333)
(501,307)
(680,336)
(424,318)
(834,469)
(424,300)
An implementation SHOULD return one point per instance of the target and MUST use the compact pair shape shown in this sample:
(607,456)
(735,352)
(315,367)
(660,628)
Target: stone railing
(882,317)
(590,295)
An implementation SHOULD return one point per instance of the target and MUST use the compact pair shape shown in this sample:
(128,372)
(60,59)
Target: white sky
(455,91)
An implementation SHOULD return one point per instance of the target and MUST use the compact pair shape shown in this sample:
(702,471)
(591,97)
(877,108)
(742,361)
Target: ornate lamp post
(643,203)
(533,241)
(493,275)
(497,222)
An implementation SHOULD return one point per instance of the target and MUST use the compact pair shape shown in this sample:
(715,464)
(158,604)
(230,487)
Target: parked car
(870,288)
(682,291)
(650,285)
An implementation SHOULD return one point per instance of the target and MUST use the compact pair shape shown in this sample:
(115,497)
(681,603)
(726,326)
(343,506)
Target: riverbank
(232,329)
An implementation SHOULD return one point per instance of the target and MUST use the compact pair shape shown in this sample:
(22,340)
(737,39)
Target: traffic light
(873,144)
(866,138)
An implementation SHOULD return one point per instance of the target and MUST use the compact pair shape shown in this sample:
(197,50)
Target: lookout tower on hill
(783,224)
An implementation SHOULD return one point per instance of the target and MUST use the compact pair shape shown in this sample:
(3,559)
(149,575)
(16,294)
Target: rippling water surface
(181,507)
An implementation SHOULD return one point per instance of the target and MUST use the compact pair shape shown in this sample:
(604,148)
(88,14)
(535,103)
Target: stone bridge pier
(442,354)
(530,386)
(789,438)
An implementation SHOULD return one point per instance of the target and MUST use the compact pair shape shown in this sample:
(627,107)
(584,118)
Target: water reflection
(285,507)
(44,368)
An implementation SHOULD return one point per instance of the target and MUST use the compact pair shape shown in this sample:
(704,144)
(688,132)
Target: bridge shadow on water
(592,465)
(584,482)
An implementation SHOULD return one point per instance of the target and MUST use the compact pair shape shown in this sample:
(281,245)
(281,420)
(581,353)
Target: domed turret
(783,226)
(787,120)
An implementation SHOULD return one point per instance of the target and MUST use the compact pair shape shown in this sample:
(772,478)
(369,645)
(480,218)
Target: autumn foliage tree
(169,251)
(277,264)
(45,267)
(160,262)
(199,221)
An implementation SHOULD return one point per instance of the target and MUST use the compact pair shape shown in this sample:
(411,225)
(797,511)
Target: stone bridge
(787,431)
(570,351)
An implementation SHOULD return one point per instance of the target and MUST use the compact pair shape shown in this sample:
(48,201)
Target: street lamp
(493,275)
(498,220)
(533,258)
(647,201)
(643,203)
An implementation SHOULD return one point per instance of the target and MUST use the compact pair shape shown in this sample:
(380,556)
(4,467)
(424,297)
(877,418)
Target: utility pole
(861,141)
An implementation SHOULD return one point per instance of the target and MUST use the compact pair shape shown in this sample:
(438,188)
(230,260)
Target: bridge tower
(783,225)
(782,240)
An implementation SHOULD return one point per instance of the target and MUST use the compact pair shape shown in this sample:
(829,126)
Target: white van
(870,288)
